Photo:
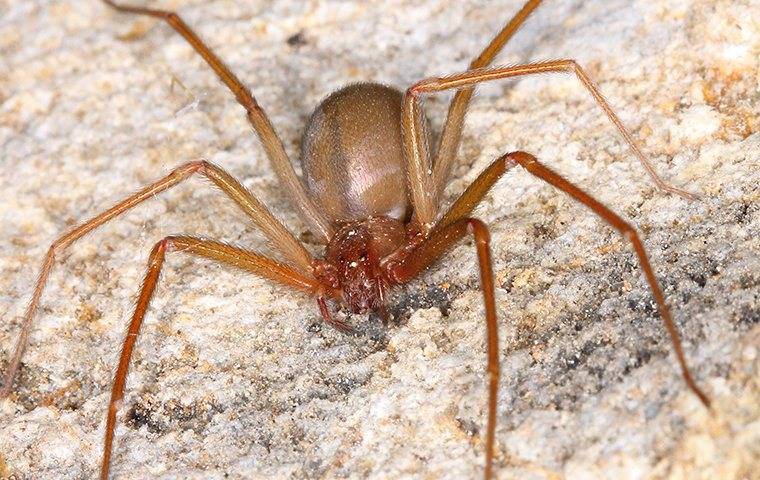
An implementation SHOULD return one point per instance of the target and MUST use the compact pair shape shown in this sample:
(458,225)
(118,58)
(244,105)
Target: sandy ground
(236,378)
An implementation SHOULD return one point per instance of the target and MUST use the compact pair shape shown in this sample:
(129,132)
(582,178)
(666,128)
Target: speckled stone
(236,378)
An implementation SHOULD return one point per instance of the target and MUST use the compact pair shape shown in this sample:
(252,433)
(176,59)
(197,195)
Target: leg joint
(58,245)
(523,158)
(420,87)
(191,167)
(203,165)
(629,232)
(163,245)
(478,230)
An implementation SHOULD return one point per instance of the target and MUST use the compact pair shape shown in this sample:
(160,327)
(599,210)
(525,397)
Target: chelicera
(371,193)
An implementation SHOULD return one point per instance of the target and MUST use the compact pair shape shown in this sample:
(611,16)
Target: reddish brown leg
(422,176)
(425,188)
(309,211)
(428,252)
(220,252)
(272,228)
(475,192)
(452,129)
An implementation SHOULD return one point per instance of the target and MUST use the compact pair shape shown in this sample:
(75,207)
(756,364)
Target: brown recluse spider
(372,195)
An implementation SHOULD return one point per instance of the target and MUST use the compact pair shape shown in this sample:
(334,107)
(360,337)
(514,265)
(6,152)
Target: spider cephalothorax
(353,261)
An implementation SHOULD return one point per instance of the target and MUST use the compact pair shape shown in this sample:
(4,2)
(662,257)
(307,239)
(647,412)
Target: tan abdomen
(351,154)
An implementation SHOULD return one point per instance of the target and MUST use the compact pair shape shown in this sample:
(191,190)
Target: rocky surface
(237,378)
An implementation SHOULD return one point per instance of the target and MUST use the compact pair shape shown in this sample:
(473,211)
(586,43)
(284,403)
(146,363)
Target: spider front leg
(452,129)
(280,237)
(420,171)
(220,252)
(427,185)
(477,190)
(440,240)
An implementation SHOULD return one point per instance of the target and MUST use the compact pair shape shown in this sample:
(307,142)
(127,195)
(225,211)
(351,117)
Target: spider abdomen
(352,155)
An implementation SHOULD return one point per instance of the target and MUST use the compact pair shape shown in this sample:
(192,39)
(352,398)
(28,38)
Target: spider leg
(423,256)
(477,190)
(423,178)
(271,227)
(220,252)
(425,196)
(309,211)
(452,129)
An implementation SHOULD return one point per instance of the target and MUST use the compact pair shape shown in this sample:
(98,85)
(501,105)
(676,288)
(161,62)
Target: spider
(371,193)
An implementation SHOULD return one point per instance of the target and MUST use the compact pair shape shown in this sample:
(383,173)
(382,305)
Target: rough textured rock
(236,378)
